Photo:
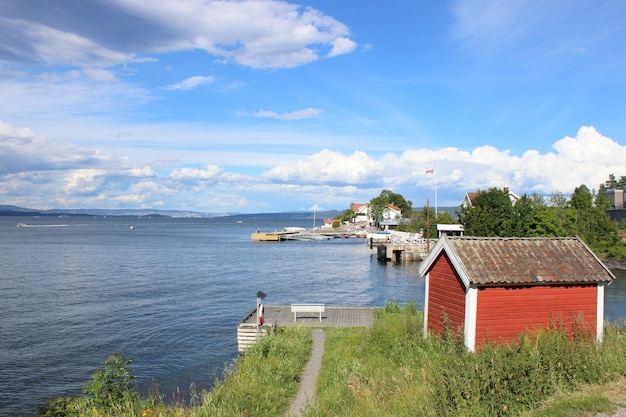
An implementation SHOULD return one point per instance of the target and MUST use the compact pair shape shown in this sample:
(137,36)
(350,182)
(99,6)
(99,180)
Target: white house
(391,214)
(362,213)
(469,197)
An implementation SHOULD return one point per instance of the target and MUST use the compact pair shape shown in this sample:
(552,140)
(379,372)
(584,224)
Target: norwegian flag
(430,171)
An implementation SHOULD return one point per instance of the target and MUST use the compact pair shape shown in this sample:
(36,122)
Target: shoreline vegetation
(388,369)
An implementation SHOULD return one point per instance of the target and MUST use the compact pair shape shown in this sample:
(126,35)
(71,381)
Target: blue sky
(267,106)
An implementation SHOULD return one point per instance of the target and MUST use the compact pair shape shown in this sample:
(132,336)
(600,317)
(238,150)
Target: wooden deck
(332,317)
(248,332)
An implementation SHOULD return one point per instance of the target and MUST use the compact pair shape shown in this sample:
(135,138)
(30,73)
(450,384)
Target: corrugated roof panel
(497,261)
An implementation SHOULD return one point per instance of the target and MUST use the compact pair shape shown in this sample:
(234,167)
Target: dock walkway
(276,315)
(332,317)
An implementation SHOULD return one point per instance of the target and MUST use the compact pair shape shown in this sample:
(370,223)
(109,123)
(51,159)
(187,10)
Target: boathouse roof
(483,261)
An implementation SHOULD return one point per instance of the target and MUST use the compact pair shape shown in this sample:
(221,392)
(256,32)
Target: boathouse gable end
(514,285)
(446,302)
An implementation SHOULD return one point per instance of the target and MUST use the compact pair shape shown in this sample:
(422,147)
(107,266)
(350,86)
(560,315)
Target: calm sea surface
(167,294)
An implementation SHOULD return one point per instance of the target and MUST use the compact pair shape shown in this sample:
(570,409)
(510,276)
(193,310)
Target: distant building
(495,289)
(450,229)
(362,213)
(390,219)
(471,196)
(616,197)
(617,209)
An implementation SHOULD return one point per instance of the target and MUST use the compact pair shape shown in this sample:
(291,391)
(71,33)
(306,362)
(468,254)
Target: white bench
(307,308)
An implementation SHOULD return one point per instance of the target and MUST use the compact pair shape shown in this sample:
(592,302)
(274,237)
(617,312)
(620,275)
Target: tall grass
(391,369)
(262,382)
(265,380)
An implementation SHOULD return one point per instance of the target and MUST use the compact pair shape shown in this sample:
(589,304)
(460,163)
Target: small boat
(132,227)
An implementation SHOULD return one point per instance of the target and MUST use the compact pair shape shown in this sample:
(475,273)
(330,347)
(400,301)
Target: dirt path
(309,377)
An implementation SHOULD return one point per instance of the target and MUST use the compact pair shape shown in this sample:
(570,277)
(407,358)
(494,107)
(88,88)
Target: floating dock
(268,236)
(303,235)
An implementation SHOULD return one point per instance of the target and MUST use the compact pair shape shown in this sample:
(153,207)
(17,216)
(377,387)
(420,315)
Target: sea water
(168,294)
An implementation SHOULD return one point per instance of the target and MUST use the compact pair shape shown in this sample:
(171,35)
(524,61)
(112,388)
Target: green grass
(391,370)
(261,383)
(265,380)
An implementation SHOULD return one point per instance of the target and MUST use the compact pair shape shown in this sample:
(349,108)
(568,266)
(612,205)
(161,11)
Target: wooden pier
(248,332)
(403,251)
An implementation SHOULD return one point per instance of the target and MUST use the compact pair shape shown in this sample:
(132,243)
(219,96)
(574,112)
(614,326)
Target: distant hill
(8,210)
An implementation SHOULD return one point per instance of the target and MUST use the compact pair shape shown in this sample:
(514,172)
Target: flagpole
(436,192)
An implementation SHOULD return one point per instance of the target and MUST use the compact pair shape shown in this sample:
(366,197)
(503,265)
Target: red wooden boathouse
(494,289)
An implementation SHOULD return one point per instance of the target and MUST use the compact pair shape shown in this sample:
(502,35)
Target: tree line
(494,214)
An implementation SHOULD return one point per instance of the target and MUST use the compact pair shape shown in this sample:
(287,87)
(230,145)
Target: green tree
(613,183)
(424,220)
(386,197)
(491,214)
(546,223)
(523,218)
(558,200)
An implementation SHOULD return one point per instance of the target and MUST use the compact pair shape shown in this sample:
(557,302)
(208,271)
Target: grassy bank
(390,369)
(261,383)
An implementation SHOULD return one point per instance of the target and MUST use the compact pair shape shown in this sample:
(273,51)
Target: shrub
(112,385)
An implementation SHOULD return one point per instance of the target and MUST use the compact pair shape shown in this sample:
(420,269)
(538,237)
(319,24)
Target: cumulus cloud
(329,167)
(37,173)
(211,173)
(83,182)
(257,34)
(294,115)
(587,159)
(21,150)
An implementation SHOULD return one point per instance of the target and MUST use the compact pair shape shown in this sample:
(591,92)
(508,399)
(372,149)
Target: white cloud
(40,43)
(99,74)
(191,83)
(294,115)
(145,172)
(211,173)
(328,167)
(21,150)
(257,34)
(83,182)
(37,173)
(342,46)
(59,96)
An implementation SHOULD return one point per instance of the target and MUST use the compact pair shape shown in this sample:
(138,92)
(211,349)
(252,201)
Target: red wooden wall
(506,312)
(446,294)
